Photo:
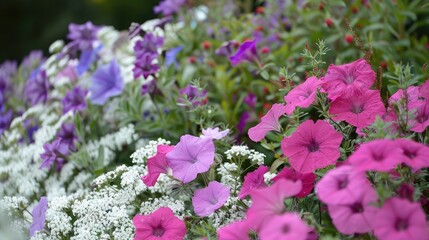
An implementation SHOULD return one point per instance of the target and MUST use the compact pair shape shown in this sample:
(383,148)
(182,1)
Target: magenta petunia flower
(285,226)
(161,224)
(341,185)
(358,216)
(377,155)
(39,216)
(269,202)
(401,219)
(358,110)
(209,199)
(348,80)
(192,155)
(235,231)
(253,180)
(312,146)
(75,100)
(421,121)
(157,164)
(307,180)
(214,133)
(412,94)
(106,82)
(414,154)
(269,122)
(246,52)
(424,90)
(302,95)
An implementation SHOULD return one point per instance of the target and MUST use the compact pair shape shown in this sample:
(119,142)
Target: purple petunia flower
(170,56)
(227,48)
(193,95)
(134,30)
(106,82)
(246,52)
(83,36)
(145,66)
(250,100)
(54,153)
(148,87)
(8,68)
(244,119)
(39,216)
(75,100)
(68,136)
(87,57)
(209,199)
(168,7)
(37,88)
(149,44)
(5,119)
(192,155)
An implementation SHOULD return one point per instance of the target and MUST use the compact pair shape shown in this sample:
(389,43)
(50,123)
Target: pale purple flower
(169,7)
(75,100)
(170,56)
(54,153)
(68,136)
(192,155)
(246,52)
(209,199)
(8,67)
(106,82)
(83,36)
(87,57)
(214,133)
(32,61)
(37,88)
(39,216)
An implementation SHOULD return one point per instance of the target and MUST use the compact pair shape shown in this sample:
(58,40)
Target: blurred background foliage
(28,24)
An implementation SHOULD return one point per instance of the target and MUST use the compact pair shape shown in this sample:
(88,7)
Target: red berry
(207,45)
(355,9)
(321,7)
(259,10)
(383,64)
(265,50)
(192,59)
(259,28)
(349,38)
(329,22)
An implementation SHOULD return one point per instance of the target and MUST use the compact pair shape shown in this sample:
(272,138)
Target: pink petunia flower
(424,90)
(421,121)
(307,180)
(192,155)
(401,219)
(359,110)
(253,180)
(355,217)
(235,231)
(415,155)
(378,155)
(341,185)
(161,224)
(214,133)
(269,202)
(303,95)
(209,199)
(157,164)
(312,146)
(412,95)
(269,122)
(348,79)
(286,226)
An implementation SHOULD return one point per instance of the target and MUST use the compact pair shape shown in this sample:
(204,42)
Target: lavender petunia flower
(134,30)
(246,52)
(75,100)
(170,56)
(87,57)
(214,133)
(5,119)
(39,216)
(37,88)
(68,136)
(83,36)
(169,7)
(54,153)
(192,155)
(8,68)
(209,199)
(145,66)
(106,82)
(193,95)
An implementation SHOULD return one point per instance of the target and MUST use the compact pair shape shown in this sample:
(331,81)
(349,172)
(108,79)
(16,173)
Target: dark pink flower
(414,154)
(341,185)
(377,155)
(253,180)
(269,122)
(157,164)
(349,79)
(421,121)
(286,226)
(355,217)
(412,94)
(307,180)
(359,110)
(192,155)
(302,95)
(234,231)
(269,202)
(161,224)
(312,146)
(424,90)
(406,191)
(401,219)
(209,199)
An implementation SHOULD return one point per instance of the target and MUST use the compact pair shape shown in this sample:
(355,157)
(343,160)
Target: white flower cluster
(268,176)
(149,150)
(152,204)
(230,212)
(241,151)
(229,176)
